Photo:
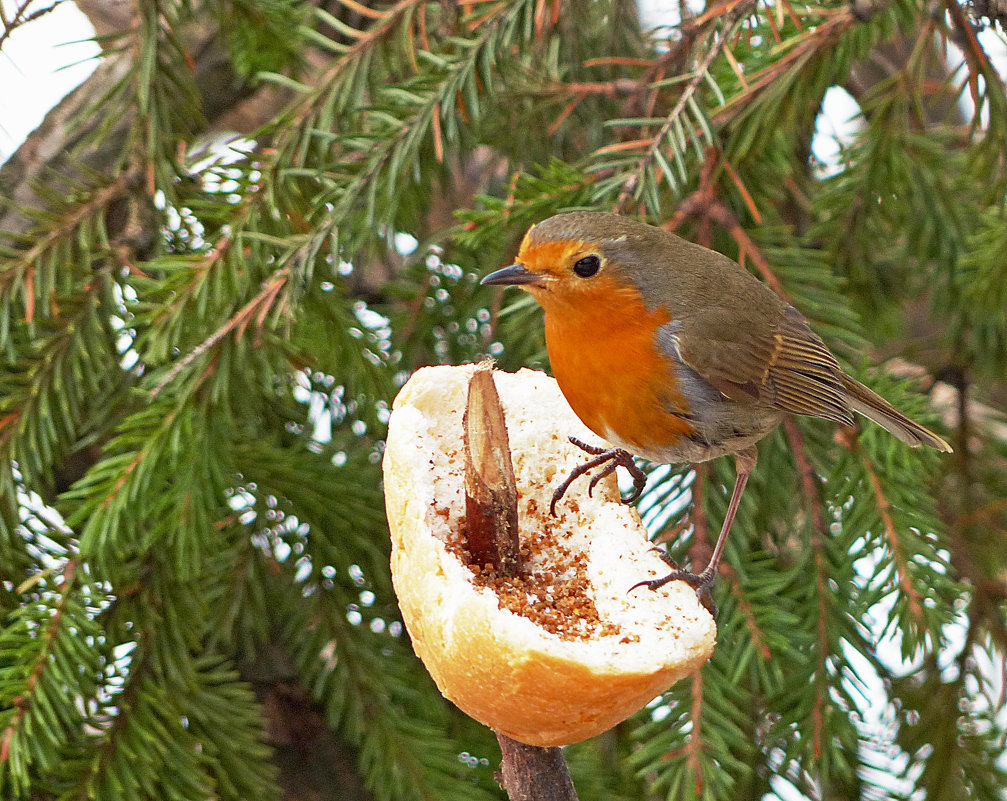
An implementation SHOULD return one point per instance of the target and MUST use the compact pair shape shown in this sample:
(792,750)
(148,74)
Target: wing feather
(779,363)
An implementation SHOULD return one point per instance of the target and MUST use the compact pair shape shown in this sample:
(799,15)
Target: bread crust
(538,685)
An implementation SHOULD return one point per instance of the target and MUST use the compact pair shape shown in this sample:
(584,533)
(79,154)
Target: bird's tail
(872,405)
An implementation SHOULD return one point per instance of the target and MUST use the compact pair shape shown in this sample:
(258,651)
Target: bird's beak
(514,275)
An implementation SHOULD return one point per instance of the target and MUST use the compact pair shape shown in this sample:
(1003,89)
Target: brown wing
(780,363)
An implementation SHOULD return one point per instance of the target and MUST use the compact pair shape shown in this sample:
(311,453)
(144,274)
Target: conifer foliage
(199,353)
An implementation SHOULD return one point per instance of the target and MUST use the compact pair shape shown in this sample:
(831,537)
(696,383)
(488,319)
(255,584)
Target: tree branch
(531,773)
(21,17)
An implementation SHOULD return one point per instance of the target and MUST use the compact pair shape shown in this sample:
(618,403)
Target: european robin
(675,353)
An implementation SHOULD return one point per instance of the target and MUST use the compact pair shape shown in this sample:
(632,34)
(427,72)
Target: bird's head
(572,258)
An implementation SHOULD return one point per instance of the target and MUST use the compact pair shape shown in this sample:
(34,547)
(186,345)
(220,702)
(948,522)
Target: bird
(674,353)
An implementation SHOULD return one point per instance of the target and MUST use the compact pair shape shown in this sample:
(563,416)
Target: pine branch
(343,536)
(155,447)
(404,119)
(798,50)
(684,750)
(822,648)
(45,667)
(404,756)
(336,81)
(895,544)
(172,719)
(632,183)
(753,625)
(256,310)
(65,235)
(47,391)
(224,718)
(163,91)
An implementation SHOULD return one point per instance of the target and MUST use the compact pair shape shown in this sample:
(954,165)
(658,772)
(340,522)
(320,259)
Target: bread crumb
(552,588)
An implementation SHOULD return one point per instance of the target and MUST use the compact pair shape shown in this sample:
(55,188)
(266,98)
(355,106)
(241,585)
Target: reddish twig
(774,26)
(793,17)
(822,635)
(746,611)
(704,206)
(701,530)
(807,475)
(745,194)
(738,71)
(694,746)
(813,502)
(975,56)
(891,531)
(258,306)
(362,10)
(820,36)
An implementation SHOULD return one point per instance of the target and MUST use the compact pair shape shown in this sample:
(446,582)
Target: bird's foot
(700,582)
(611,458)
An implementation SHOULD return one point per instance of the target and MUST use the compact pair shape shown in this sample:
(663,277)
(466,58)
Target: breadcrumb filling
(552,589)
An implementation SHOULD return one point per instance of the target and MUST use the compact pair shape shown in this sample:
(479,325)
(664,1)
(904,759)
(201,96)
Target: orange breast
(603,355)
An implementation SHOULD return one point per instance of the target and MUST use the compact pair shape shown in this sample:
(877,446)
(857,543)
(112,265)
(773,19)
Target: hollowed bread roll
(563,651)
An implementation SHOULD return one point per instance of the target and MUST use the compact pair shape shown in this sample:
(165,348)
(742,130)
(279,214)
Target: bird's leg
(702,581)
(615,457)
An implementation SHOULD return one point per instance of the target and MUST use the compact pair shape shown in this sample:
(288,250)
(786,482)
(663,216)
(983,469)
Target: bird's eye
(587,266)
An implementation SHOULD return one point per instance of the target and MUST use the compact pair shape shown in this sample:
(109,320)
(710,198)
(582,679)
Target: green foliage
(199,356)
(48,654)
(264,36)
(977,302)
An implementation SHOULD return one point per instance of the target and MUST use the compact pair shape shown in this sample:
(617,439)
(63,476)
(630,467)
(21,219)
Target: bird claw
(700,582)
(615,457)
(610,467)
(666,558)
